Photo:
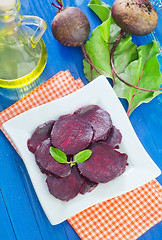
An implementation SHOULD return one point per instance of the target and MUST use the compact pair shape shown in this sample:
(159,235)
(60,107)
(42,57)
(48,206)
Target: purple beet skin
(98,118)
(114,138)
(47,163)
(104,164)
(65,188)
(40,134)
(71,134)
(88,186)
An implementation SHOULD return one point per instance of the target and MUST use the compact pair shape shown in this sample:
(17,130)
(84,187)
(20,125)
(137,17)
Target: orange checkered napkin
(124,217)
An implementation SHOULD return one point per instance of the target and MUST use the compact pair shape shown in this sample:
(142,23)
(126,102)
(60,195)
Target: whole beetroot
(70,27)
(137,17)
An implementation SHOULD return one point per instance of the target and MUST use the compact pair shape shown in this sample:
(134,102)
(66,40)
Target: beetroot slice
(123,160)
(71,134)
(47,163)
(40,134)
(98,118)
(114,138)
(104,164)
(65,188)
(88,186)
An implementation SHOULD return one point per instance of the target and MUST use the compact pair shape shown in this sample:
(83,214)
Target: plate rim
(101,80)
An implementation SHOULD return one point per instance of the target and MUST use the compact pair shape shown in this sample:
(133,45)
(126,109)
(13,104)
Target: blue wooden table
(21,216)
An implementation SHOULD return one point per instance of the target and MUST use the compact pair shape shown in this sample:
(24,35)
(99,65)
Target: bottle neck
(11,15)
(9,20)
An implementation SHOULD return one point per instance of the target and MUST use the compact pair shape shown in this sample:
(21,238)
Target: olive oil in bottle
(22,51)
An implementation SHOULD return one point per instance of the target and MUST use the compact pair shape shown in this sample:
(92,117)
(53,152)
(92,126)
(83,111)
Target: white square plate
(140,170)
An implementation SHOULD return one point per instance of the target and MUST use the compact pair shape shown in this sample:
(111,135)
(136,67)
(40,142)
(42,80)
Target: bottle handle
(41,27)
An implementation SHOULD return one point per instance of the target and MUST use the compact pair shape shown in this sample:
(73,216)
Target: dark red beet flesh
(104,164)
(71,134)
(123,161)
(40,134)
(114,137)
(88,186)
(47,163)
(98,118)
(66,188)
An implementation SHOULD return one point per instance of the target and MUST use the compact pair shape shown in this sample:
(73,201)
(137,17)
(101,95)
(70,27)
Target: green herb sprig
(61,157)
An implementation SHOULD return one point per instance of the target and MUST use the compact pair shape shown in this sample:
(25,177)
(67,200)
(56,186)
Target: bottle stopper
(7,5)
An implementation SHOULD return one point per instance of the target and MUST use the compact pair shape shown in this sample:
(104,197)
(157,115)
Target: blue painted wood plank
(154,233)
(72,235)
(143,132)
(17,189)
(152,113)
(6,228)
(150,136)
(17,203)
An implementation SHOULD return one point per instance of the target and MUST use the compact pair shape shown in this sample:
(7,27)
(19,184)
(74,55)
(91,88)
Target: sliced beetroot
(104,164)
(98,118)
(40,134)
(47,163)
(114,137)
(71,134)
(123,160)
(88,186)
(65,188)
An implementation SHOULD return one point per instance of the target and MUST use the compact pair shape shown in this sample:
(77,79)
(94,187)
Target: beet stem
(121,35)
(57,6)
(61,5)
(88,59)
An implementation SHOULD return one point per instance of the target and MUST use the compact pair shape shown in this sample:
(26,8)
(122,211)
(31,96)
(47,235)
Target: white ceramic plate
(141,167)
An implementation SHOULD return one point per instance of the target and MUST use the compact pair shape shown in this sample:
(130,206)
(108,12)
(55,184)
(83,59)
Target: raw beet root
(70,27)
(66,188)
(98,118)
(137,17)
(114,138)
(47,163)
(71,134)
(88,186)
(40,134)
(104,164)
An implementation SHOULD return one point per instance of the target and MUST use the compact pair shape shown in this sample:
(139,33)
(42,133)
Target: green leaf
(144,73)
(136,65)
(101,9)
(99,46)
(82,156)
(58,155)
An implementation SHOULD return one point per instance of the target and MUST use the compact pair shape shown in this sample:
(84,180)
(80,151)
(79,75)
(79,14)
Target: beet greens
(110,40)
(135,71)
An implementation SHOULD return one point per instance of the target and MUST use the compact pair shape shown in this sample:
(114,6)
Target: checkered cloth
(124,217)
